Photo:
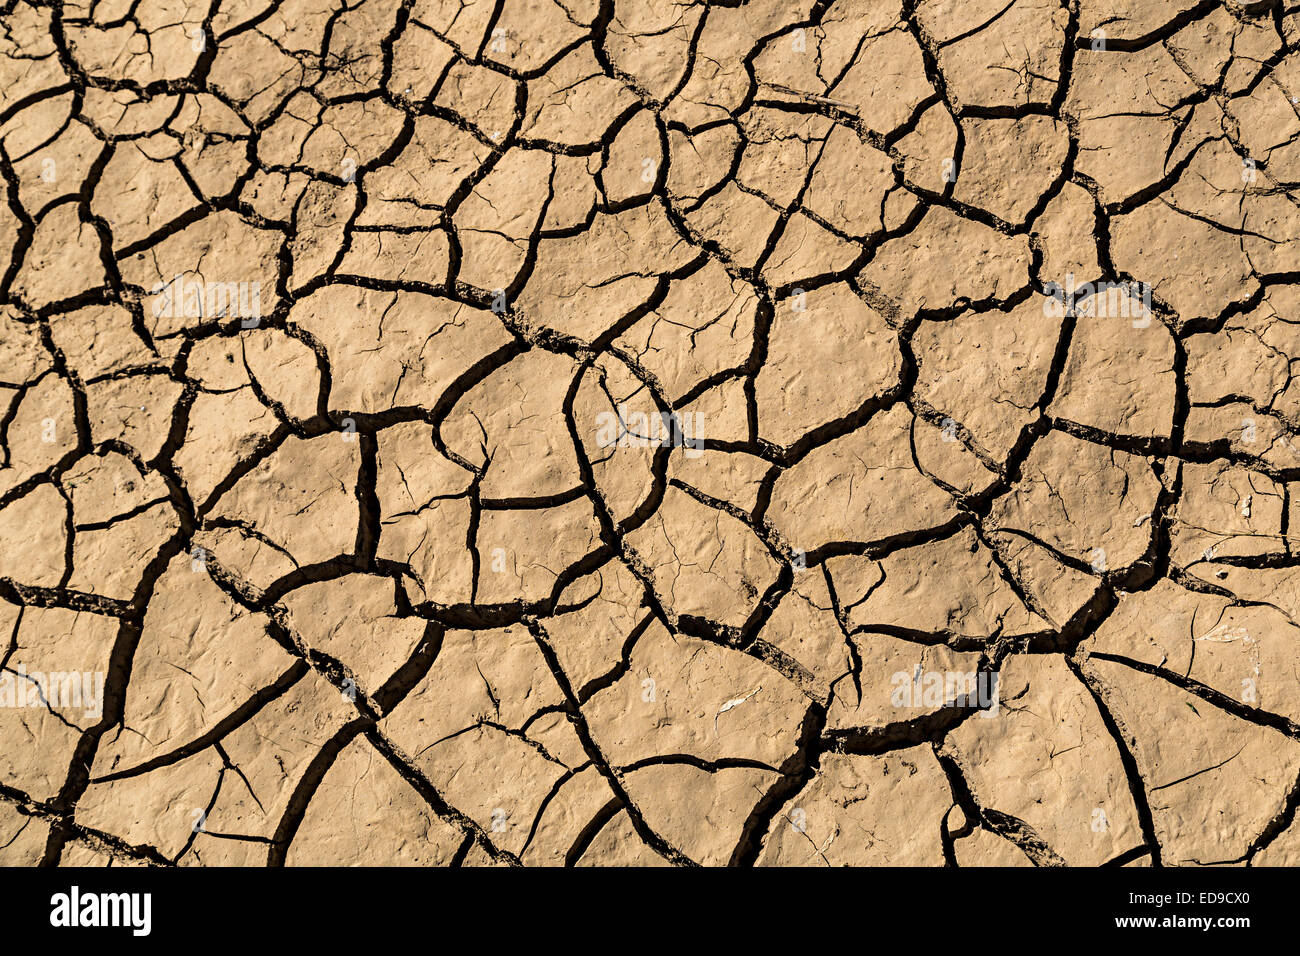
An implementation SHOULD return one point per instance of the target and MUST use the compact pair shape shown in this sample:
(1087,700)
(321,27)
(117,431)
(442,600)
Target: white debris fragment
(734,702)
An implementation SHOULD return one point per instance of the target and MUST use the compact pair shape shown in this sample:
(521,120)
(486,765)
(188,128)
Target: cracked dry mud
(974,323)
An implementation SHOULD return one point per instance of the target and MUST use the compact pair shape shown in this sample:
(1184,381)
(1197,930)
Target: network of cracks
(559,432)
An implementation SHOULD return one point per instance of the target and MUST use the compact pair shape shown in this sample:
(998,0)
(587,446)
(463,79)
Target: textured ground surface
(337,519)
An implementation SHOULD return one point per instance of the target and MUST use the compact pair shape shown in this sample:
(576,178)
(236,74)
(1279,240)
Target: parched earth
(602,432)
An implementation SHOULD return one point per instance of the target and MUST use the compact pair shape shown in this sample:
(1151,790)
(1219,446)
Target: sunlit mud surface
(595,432)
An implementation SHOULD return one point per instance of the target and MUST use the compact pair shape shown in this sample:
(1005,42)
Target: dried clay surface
(631,432)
